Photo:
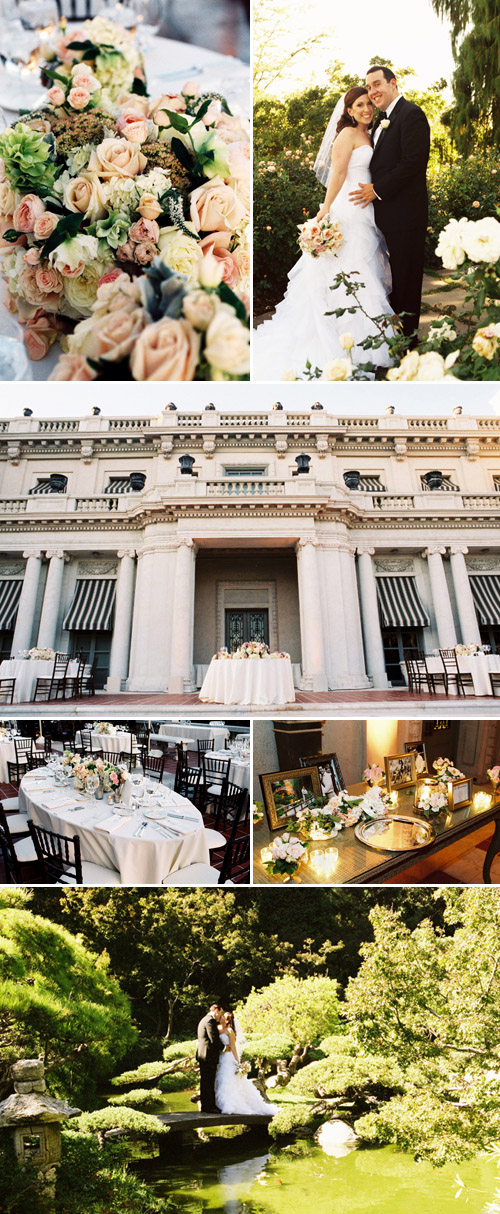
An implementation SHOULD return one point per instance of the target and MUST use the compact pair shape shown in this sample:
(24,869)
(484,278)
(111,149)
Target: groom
(401,144)
(208,1050)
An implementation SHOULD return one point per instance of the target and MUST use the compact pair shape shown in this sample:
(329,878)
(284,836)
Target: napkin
(111,824)
(181,828)
(61,803)
(36,785)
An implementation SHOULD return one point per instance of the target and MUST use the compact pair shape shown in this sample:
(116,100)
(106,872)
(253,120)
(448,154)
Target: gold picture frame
(400,771)
(455,801)
(284,791)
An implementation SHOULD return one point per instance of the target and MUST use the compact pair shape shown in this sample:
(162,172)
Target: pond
(251,1175)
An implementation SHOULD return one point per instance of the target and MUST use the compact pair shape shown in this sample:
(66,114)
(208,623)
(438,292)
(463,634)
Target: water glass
(91,785)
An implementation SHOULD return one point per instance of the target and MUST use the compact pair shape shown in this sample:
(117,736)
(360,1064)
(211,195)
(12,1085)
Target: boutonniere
(385,123)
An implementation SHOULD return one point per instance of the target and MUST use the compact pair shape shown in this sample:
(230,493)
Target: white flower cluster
(479,240)
(288,847)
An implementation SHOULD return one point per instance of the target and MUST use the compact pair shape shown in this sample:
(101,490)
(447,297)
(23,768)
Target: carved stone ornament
(11,568)
(483,563)
(101,568)
(394,564)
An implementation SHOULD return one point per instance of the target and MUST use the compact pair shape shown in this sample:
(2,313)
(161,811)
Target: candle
(482,800)
(394,798)
(266,854)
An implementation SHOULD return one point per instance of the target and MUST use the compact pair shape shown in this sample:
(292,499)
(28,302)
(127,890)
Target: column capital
(122,552)
(185,542)
(58,552)
(32,552)
(434,550)
(457,549)
(305,540)
(365,551)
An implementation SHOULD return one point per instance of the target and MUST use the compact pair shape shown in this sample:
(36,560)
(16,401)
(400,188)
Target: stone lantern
(33,1120)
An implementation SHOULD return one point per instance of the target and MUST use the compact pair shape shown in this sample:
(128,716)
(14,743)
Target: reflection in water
(235,1177)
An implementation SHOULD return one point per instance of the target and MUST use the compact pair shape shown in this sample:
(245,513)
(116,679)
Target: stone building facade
(154,541)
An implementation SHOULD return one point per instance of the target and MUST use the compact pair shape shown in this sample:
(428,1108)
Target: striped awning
(42,486)
(400,603)
(92,606)
(118,484)
(10,593)
(447,484)
(486,595)
(372,483)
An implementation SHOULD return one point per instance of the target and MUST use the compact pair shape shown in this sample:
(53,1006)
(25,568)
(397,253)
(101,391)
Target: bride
(299,330)
(234,1093)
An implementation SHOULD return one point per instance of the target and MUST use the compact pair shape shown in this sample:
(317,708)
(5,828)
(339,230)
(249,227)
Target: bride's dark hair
(345,119)
(229,1016)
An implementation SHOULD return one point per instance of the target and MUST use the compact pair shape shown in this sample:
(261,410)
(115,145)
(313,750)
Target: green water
(245,1175)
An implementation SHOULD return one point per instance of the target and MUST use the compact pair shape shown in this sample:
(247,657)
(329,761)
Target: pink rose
(132,101)
(30,207)
(117,158)
(68,272)
(144,230)
(45,225)
(72,367)
(148,206)
(231,128)
(32,257)
(110,276)
(133,126)
(56,95)
(113,336)
(218,244)
(145,252)
(78,97)
(126,252)
(61,47)
(191,89)
(238,155)
(167,350)
(167,101)
(33,294)
(215,207)
(49,280)
(40,333)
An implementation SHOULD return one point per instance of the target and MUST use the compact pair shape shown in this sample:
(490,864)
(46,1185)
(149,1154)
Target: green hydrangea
(113,229)
(29,159)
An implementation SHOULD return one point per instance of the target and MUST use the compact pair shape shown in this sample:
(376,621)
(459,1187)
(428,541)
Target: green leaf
(67,227)
(203,109)
(226,295)
(53,75)
(178,122)
(182,154)
(139,87)
(11,235)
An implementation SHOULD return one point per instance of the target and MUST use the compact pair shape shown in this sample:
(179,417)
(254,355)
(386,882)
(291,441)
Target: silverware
(140,830)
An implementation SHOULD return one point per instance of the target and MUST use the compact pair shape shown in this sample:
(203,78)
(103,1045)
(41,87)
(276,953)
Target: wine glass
(91,784)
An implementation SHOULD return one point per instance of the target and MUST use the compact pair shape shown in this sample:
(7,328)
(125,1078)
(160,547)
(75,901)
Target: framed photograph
(330,776)
(400,771)
(284,792)
(419,750)
(459,793)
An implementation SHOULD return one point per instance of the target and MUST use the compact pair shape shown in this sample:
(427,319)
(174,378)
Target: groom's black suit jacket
(398,169)
(209,1044)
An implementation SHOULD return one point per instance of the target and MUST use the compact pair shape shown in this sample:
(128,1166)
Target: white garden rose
(337,369)
(430,367)
(81,292)
(442,330)
(180,252)
(450,246)
(73,252)
(407,369)
(227,346)
(86,194)
(199,308)
(481,240)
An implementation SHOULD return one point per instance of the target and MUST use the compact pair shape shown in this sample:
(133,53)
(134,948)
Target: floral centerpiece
(493,775)
(431,799)
(250,649)
(110,776)
(104,727)
(327,817)
(446,770)
(37,654)
(471,649)
(320,237)
(287,852)
(373,774)
(125,221)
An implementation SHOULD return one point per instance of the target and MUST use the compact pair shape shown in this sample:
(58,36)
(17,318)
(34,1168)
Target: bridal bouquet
(319,237)
(125,221)
(446,770)
(243,1069)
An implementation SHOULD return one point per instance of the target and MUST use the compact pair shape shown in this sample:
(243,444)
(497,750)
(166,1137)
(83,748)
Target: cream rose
(116,294)
(74,254)
(86,194)
(45,225)
(210,271)
(407,369)
(238,155)
(25,214)
(215,207)
(217,244)
(81,292)
(180,252)
(166,351)
(200,308)
(117,158)
(148,206)
(337,369)
(231,128)
(227,345)
(7,199)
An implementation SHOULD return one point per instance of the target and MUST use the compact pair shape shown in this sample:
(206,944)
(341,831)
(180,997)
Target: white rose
(346,341)
(431,366)
(338,368)
(450,246)
(81,293)
(481,240)
(227,346)
(407,369)
(73,251)
(180,252)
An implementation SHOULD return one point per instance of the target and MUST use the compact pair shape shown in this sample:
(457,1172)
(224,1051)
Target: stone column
(23,632)
(124,605)
(311,624)
(150,647)
(181,672)
(47,631)
(442,607)
(354,638)
(372,633)
(469,626)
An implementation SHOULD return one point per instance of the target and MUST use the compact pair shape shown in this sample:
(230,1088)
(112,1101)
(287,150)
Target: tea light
(482,800)
(266,854)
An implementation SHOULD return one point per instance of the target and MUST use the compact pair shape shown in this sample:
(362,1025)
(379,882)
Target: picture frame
(400,771)
(283,791)
(330,776)
(419,749)
(459,793)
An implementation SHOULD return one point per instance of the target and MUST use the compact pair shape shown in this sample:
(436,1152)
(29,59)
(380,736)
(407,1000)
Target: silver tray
(397,833)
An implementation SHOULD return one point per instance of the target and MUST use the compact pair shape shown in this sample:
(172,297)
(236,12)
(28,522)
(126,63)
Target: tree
(58,1000)
(475,36)
(304,1008)
(274,49)
(431,1002)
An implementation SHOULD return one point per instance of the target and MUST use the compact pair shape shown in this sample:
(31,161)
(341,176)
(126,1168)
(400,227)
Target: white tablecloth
(239,771)
(112,742)
(195,733)
(26,673)
(7,755)
(249,681)
(478,667)
(139,861)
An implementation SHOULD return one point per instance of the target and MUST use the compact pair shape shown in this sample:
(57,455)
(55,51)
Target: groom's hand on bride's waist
(363,196)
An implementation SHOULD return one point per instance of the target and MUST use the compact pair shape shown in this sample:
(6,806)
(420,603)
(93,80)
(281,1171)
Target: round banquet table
(7,755)
(194,733)
(256,681)
(26,672)
(112,742)
(169,64)
(478,666)
(139,861)
(239,771)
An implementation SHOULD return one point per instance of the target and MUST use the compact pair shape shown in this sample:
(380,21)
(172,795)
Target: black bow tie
(382,116)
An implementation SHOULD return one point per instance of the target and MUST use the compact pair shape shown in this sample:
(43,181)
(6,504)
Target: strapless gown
(300,331)
(234,1093)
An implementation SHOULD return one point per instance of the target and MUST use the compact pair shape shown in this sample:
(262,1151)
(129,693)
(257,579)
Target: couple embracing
(375,176)
(224,1088)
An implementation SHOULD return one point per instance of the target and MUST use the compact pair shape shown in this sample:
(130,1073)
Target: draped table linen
(112,742)
(255,681)
(478,666)
(194,733)
(26,671)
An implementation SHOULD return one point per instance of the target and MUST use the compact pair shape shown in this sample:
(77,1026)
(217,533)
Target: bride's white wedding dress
(235,1093)
(299,330)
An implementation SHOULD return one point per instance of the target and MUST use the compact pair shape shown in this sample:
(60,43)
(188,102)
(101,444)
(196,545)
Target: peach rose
(242,259)
(45,225)
(126,252)
(190,89)
(218,244)
(167,101)
(56,95)
(32,257)
(7,199)
(78,97)
(33,294)
(87,195)
(39,334)
(145,252)
(117,158)
(39,124)
(110,276)
(231,128)
(30,207)
(148,206)
(144,230)
(215,207)
(167,350)
(72,367)
(116,294)
(238,155)
(132,101)
(49,281)
(61,47)
(72,272)
(117,334)
(133,126)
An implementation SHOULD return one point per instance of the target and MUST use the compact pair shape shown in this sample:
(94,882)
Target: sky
(343,400)
(406,31)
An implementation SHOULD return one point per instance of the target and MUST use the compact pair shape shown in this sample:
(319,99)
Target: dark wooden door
(246,624)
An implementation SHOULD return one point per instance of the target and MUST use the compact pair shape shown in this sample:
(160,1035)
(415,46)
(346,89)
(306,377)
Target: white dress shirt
(388,113)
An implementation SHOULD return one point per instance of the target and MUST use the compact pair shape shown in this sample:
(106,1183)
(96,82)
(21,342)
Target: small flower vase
(99,792)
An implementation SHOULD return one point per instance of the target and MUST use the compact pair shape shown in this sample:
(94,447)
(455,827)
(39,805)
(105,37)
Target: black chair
(73,682)
(204,744)
(86,684)
(62,862)
(215,776)
(495,683)
(54,686)
(236,862)
(187,783)
(420,678)
(24,750)
(461,678)
(153,766)
(7,688)
(84,746)
(18,858)
(230,806)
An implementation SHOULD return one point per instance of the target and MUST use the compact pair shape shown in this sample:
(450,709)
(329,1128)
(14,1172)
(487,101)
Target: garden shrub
(420,1122)
(138,1097)
(469,188)
(179,1081)
(179,1049)
(140,1125)
(344,1071)
(147,1071)
(290,1118)
(268,1047)
(96,1181)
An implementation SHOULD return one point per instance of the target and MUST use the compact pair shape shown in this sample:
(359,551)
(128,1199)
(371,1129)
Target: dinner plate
(396,833)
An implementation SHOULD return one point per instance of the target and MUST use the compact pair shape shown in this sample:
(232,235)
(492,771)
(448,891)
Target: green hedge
(137,1098)
(179,1081)
(290,1118)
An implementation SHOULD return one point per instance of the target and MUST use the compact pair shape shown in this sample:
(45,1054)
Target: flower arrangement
(326,818)
(432,799)
(125,221)
(257,811)
(250,649)
(373,775)
(104,727)
(493,774)
(37,655)
(446,770)
(287,853)
(320,237)
(243,1069)
(110,776)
